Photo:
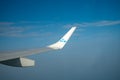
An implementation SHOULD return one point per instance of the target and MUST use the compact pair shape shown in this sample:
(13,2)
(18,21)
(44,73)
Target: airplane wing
(17,58)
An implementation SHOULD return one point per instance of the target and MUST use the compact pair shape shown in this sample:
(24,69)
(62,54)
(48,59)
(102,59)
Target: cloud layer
(34,29)
(95,24)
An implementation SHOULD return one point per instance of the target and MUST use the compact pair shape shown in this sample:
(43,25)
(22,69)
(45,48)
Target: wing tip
(61,43)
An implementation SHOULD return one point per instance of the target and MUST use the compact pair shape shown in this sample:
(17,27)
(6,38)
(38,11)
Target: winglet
(61,43)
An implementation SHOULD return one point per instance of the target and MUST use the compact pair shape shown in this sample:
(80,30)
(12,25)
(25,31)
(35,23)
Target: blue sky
(92,52)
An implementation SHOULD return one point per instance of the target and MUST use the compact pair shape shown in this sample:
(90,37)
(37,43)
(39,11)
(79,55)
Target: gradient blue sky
(93,52)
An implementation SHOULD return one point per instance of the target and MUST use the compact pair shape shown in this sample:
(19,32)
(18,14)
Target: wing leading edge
(15,57)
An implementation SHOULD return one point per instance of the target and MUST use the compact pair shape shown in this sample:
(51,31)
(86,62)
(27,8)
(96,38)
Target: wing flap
(13,55)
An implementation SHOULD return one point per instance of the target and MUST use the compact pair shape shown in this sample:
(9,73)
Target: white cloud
(10,31)
(19,29)
(6,23)
(103,23)
(21,32)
